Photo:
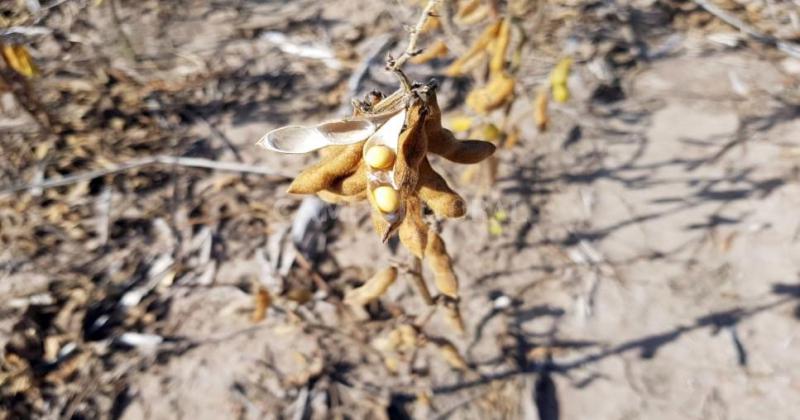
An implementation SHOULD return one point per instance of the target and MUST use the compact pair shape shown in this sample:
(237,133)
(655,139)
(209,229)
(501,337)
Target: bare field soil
(647,265)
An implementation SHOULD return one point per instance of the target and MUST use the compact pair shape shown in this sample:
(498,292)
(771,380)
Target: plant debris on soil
(632,250)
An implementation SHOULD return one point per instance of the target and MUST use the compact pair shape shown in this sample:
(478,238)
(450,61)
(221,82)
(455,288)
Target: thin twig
(396,65)
(785,46)
(138,163)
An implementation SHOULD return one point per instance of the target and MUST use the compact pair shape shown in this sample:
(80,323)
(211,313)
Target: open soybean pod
(303,139)
(380,152)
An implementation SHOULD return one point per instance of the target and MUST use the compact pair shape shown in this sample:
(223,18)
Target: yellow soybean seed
(379,157)
(387,199)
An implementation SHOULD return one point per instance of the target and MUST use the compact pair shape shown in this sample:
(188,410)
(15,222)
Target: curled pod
(373,289)
(437,194)
(442,266)
(460,151)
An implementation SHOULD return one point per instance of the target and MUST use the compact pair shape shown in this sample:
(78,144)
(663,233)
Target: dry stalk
(395,65)
(138,163)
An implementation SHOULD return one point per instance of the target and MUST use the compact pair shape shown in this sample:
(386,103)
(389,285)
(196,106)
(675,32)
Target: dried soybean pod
(500,47)
(339,161)
(374,288)
(437,50)
(411,148)
(433,121)
(460,151)
(442,266)
(413,231)
(352,184)
(450,353)
(480,44)
(435,192)
(540,110)
(493,95)
(467,7)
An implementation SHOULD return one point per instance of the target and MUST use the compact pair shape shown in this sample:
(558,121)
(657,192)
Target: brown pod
(353,184)
(411,148)
(413,231)
(437,195)
(460,151)
(374,288)
(442,266)
(498,60)
(433,121)
(496,93)
(338,161)
(457,68)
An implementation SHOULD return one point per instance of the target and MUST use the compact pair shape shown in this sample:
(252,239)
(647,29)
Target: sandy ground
(649,268)
(663,272)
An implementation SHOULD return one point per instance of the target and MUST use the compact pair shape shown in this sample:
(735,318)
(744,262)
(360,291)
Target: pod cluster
(381,154)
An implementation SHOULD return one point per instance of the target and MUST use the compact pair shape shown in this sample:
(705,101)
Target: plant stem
(396,65)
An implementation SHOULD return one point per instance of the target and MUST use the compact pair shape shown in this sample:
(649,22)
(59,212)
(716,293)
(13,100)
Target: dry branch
(138,163)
